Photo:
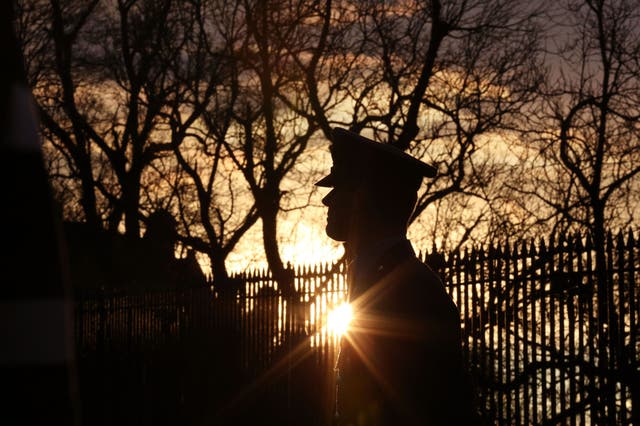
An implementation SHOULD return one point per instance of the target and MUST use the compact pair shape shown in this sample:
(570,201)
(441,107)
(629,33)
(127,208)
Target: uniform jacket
(401,361)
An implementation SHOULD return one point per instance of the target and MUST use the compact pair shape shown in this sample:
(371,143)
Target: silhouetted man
(401,362)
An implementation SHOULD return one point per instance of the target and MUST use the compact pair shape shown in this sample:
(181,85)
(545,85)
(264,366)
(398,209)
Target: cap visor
(326,181)
(429,171)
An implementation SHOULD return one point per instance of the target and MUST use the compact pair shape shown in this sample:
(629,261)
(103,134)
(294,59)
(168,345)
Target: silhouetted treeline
(100,259)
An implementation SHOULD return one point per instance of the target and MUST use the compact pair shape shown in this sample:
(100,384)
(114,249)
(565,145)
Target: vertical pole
(544,297)
(633,262)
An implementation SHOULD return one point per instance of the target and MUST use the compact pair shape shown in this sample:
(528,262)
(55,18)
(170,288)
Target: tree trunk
(607,326)
(88,201)
(222,283)
(282,275)
(131,203)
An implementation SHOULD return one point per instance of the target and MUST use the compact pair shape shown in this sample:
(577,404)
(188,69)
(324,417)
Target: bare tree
(269,136)
(586,137)
(214,206)
(102,97)
(47,50)
(587,128)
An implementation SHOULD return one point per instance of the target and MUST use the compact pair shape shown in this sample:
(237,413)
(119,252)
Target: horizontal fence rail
(549,338)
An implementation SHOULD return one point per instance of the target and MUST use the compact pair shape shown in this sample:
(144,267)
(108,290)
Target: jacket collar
(368,268)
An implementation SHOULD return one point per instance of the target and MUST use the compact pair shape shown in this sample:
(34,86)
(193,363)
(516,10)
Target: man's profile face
(340,201)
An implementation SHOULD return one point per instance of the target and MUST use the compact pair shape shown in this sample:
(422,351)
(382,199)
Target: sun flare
(338,319)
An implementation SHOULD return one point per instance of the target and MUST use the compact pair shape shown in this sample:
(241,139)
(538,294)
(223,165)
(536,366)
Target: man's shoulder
(422,270)
(423,287)
(421,276)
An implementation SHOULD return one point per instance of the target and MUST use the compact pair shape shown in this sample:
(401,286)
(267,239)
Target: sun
(339,318)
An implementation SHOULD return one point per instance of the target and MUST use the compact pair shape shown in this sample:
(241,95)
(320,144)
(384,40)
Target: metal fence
(538,347)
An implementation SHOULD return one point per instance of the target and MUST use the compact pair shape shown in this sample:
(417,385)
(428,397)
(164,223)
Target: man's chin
(334,234)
